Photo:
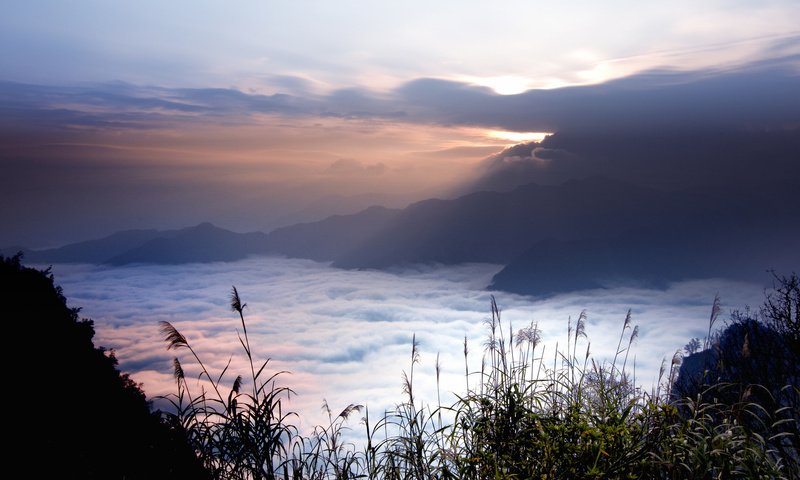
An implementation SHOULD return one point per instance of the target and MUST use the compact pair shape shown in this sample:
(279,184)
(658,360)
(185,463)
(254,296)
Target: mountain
(332,205)
(92,251)
(552,266)
(498,227)
(586,233)
(643,258)
(332,237)
(202,243)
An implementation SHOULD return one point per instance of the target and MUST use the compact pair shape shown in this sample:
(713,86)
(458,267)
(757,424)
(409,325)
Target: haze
(263,114)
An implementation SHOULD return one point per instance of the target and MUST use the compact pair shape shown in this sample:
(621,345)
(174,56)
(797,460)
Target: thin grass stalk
(238,306)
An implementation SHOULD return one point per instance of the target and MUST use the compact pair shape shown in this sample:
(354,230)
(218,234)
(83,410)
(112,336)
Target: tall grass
(714,441)
(236,434)
(530,418)
(527,413)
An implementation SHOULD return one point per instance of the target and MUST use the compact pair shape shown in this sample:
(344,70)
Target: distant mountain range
(201,243)
(581,234)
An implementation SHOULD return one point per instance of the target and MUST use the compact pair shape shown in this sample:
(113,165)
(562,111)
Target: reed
(525,414)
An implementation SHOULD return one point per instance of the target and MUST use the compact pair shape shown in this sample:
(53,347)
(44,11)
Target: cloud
(742,161)
(184,43)
(82,162)
(520,164)
(151,154)
(754,96)
(291,84)
(460,152)
(346,335)
(757,97)
(349,166)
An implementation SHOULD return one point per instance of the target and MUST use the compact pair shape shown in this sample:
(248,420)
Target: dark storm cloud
(671,160)
(753,98)
(739,128)
(717,157)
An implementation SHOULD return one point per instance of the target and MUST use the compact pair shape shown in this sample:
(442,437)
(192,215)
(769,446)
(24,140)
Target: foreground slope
(72,409)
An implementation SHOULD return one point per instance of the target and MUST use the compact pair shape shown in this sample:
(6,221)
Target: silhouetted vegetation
(729,410)
(525,414)
(752,370)
(70,412)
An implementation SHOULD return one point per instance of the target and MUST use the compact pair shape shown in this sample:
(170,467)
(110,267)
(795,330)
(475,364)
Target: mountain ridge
(584,233)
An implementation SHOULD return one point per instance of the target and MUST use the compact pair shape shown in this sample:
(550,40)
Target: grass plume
(570,416)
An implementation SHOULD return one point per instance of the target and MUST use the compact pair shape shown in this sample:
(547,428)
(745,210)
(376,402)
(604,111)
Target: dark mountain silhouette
(643,258)
(70,400)
(330,205)
(202,243)
(92,251)
(579,234)
(553,266)
(333,237)
(499,227)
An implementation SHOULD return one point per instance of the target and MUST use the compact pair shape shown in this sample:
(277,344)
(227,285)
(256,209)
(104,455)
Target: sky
(345,335)
(256,114)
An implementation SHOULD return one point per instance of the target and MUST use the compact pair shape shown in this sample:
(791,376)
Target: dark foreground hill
(68,407)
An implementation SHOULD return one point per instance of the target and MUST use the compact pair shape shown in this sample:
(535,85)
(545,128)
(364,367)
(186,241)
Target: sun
(502,85)
(518,136)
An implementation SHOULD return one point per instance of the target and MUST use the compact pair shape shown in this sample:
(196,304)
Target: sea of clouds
(346,336)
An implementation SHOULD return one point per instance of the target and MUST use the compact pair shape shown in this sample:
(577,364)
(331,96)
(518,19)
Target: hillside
(88,419)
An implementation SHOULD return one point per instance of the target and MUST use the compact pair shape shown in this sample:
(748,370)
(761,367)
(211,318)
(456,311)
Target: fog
(346,336)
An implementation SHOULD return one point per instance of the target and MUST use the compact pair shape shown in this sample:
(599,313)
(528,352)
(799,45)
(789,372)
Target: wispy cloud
(766,97)
(352,43)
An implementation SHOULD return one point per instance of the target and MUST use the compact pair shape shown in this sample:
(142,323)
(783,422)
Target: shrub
(744,388)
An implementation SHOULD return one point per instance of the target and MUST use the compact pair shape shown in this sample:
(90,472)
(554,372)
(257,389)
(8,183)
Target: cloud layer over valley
(413,159)
(346,335)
